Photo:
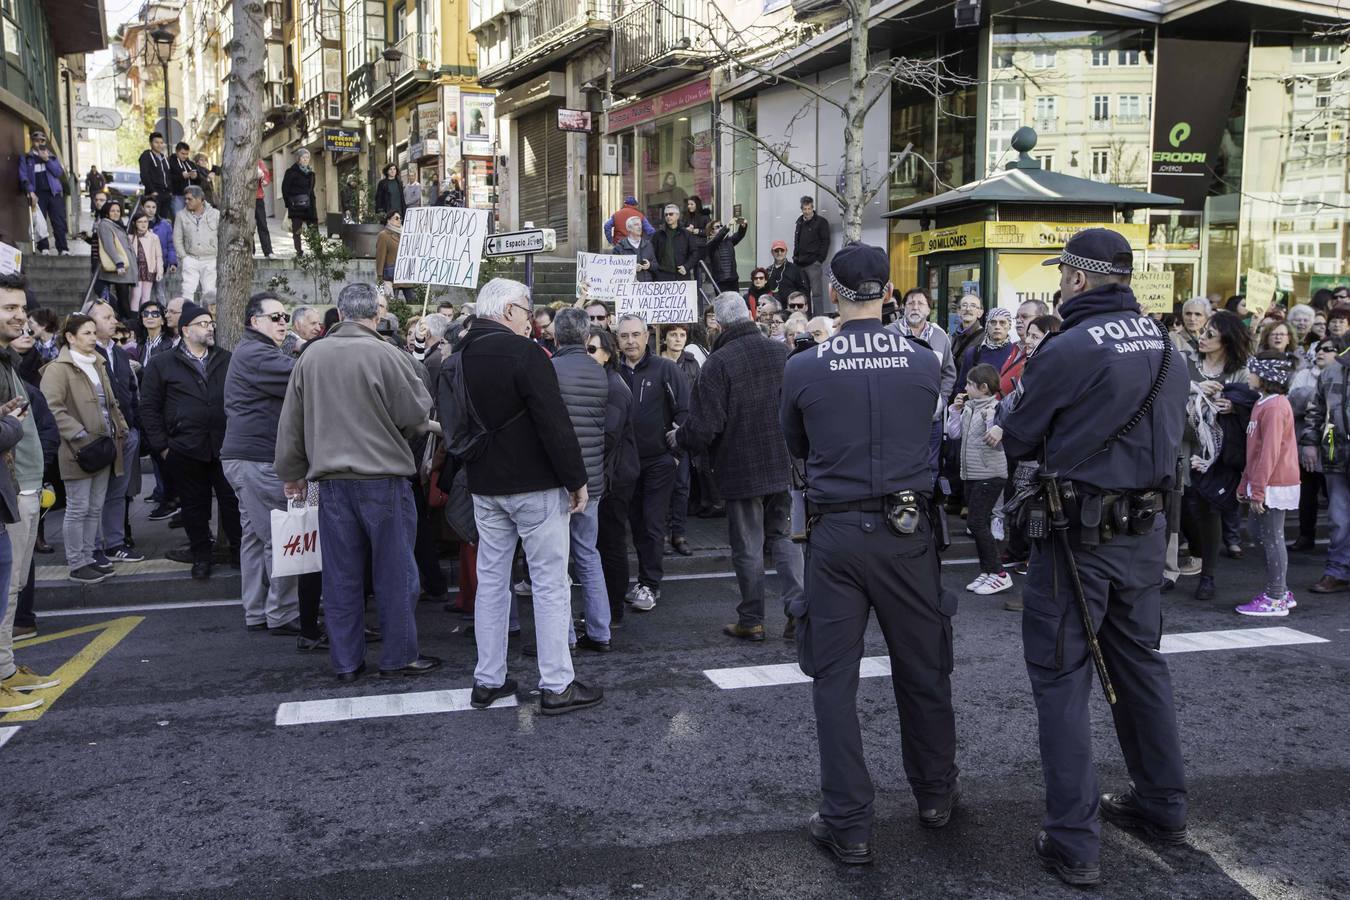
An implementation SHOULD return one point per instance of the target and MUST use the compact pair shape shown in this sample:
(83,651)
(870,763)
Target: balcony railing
(420,50)
(652,32)
(539,21)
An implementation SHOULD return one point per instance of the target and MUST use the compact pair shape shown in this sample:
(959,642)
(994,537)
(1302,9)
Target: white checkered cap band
(849,293)
(1092,265)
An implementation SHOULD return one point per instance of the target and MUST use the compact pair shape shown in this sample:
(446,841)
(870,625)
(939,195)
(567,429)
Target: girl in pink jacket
(1270,481)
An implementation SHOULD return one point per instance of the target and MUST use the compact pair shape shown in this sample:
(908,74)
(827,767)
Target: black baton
(1060,523)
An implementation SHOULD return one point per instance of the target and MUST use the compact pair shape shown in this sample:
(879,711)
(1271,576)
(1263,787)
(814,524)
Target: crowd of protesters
(538,443)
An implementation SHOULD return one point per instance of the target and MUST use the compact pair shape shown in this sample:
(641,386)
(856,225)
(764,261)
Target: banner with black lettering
(1196,81)
(441,245)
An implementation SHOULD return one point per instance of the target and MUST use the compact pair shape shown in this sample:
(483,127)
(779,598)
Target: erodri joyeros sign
(1188,124)
(441,245)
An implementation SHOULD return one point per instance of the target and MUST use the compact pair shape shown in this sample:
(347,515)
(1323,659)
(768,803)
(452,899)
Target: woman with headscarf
(297,192)
(994,348)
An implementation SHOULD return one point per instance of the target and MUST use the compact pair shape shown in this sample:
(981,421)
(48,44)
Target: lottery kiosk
(989,237)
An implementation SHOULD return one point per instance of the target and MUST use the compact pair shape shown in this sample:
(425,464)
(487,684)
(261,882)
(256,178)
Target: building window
(365,32)
(1046,113)
(1003,59)
(1319,53)
(1101,163)
(1101,107)
(1130,109)
(1101,57)
(1127,57)
(1046,159)
(1043,59)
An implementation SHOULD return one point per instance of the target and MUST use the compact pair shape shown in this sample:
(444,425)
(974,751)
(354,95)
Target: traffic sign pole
(529,273)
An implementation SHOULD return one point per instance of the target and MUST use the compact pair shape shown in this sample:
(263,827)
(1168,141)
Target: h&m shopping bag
(295,540)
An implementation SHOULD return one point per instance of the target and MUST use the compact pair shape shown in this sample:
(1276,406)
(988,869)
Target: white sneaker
(522,588)
(979,580)
(632,592)
(995,583)
(644,599)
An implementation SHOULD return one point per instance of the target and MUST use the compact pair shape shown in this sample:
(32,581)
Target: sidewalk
(160,580)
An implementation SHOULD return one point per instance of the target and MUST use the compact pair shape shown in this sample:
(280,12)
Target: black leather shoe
(349,677)
(257,626)
(586,642)
(1302,544)
(181,554)
(1205,589)
(1168,586)
(420,666)
(484,696)
(1069,871)
(570,699)
(681,546)
(311,645)
(850,854)
(290,629)
(1122,810)
(939,815)
(201,570)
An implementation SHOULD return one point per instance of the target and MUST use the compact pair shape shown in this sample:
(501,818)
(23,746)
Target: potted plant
(361,225)
(423,63)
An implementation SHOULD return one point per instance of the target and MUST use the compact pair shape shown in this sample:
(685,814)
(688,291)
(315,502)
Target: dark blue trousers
(372,518)
(855,565)
(53,208)
(1121,580)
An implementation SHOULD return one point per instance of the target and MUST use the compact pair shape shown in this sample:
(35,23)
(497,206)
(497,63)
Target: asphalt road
(162,772)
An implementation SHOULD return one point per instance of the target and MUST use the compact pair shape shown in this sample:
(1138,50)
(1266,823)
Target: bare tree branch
(870,194)
(779,155)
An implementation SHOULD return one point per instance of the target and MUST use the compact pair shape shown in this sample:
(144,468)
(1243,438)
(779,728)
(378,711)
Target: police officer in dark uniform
(857,408)
(1102,407)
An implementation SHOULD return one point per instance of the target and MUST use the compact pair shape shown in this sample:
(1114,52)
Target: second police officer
(857,409)
(1102,408)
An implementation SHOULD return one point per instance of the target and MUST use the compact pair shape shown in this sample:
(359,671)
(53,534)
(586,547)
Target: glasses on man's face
(277,317)
(523,308)
(602,318)
(796,306)
(208,324)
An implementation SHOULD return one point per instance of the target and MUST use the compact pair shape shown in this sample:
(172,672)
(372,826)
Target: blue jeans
(112,530)
(1338,511)
(372,518)
(585,526)
(539,520)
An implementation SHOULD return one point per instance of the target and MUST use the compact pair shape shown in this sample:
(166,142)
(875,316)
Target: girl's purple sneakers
(1265,607)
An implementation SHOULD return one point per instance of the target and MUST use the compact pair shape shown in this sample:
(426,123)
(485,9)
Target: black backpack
(466,439)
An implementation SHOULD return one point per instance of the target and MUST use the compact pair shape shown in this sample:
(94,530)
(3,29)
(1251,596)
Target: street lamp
(392,56)
(163,42)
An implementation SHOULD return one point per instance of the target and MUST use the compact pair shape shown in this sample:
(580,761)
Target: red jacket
(1272,452)
(1011,373)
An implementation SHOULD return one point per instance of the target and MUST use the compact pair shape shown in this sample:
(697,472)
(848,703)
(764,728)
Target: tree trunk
(239,181)
(855,113)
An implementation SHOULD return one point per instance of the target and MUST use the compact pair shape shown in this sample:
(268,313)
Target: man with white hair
(527,478)
(917,308)
(435,326)
(734,414)
(674,250)
(352,404)
(821,328)
(306,325)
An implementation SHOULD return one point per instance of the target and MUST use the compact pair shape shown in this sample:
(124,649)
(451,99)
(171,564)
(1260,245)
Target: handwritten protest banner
(11,260)
(1153,290)
(1260,292)
(659,302)
(441,245)
(603,276)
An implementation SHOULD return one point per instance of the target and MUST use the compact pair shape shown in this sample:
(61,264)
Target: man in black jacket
(784,278)
(183,414)
(660,402)
(585,393)
(810,247)
(526,482)
(255,388)
(183,174)
(112,536)
(674,251)
(155,177)
(734,411)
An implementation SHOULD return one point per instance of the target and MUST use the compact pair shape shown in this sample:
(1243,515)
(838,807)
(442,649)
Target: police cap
(859,272)
(1098,250)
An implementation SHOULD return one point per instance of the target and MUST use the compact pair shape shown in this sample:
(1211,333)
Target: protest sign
(441,245)
(1260,292)
(1153,290)
(659,302)
(11,260)
(603,276)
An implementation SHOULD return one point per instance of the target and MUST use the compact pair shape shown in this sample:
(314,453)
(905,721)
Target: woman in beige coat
(80,393)
(149,260)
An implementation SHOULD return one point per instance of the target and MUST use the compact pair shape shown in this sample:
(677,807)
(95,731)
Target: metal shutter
(543,172)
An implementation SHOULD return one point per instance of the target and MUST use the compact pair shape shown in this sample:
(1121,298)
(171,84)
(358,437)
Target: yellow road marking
(110,634)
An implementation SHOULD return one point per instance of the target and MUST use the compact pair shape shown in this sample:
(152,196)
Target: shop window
(676,160)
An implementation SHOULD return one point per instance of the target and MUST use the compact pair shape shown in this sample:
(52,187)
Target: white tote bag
(295,540)
(37,226)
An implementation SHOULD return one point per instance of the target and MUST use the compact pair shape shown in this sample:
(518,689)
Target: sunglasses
(276,317)
(152,314)
(604,318)
(796,306)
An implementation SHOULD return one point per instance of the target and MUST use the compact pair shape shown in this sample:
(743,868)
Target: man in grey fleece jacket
(351,406)
(917,308)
